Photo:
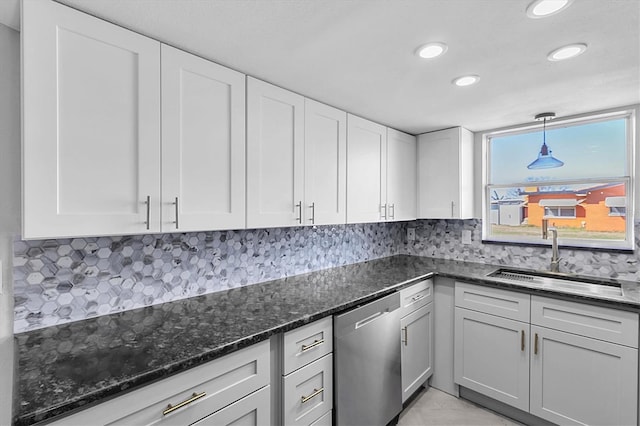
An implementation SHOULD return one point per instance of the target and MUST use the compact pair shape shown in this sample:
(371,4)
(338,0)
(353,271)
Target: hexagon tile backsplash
(58,281)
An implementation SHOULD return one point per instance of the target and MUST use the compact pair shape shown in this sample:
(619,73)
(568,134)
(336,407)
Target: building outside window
(577,175)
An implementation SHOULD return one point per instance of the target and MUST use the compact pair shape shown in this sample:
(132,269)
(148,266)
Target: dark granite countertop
(63,368)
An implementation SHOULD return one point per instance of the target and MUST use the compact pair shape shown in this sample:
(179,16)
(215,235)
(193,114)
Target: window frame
(629,114)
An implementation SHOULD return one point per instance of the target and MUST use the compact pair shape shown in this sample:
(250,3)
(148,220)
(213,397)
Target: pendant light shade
(545,159)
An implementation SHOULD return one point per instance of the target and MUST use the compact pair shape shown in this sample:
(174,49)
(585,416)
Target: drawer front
(325,420)
(415,297)
(308,392)
(210,387)
(597,322)
(494,301)
(306,344)
(253,410)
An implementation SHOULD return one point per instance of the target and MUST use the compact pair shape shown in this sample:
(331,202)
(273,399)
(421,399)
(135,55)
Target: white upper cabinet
(366,171)
(401,176)
(91,125)
(275,156)
(203,144)
(325,164)
(445,174)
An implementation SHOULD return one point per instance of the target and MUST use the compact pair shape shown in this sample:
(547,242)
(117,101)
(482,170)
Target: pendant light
(545,160)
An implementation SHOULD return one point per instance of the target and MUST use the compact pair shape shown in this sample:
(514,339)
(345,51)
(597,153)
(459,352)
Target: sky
(588,151)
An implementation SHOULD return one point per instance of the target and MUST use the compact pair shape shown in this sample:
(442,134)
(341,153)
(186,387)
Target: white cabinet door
(401,176)
(275,156)
(445,174)
(578,380)
(203,144)
(91,125)
(492,357)
(366,170)
(252,410)
(417,349)
(325,164)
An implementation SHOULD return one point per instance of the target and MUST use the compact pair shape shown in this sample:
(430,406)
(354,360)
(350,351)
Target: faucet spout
(555,255)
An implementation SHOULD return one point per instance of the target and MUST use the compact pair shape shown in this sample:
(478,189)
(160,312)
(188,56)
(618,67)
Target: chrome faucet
(555,257)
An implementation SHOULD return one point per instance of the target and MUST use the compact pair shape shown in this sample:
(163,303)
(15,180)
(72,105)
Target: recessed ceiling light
(431,50)
(466,80)
(566,52)
(544,8)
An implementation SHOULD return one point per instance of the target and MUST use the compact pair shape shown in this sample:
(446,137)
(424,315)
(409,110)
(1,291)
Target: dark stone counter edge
(58,412)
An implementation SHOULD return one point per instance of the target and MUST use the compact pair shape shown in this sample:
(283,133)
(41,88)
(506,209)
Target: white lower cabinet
(223,389)
(491,356)
(307,375)
(578,380)
(416,329)
(570,363)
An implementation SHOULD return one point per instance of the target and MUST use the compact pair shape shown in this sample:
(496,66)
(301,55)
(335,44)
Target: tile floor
(434,407)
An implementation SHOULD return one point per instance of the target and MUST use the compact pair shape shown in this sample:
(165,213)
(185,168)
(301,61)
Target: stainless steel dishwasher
(367,377)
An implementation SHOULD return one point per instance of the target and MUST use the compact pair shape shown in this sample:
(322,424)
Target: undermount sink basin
(550,282)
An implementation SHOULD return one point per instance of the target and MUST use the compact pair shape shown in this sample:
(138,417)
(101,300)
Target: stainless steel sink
(548,281)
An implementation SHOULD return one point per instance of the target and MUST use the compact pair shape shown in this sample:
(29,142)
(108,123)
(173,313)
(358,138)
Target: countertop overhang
(65,368)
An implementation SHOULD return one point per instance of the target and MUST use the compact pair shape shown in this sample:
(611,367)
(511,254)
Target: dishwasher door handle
(370,318)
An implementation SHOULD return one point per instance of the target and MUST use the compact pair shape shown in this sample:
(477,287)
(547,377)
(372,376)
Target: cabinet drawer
(308,392)
(254,410)
(325,420)
(494,301)
(306,344)
(222,381)
(598,322)
(415,297)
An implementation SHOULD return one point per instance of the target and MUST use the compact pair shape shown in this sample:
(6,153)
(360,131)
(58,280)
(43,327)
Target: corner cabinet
(275,156)
(91,125)
(445,174)
(203,144)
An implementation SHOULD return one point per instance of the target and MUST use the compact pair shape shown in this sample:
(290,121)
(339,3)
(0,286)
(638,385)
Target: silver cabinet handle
(299,207)
(383,216)
(315,393)
(392,215)
(313,213)
(312,345)
(148,203)
(194,397)
(452,204)
(406,335)
(177,213)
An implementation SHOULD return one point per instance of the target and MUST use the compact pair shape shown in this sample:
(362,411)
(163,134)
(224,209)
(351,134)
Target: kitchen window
(577,176)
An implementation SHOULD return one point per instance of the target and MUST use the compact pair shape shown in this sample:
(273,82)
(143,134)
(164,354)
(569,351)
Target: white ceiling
(358,55)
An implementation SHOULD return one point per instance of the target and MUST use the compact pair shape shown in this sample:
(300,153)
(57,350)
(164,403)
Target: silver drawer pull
(194,397)
(416,298)
(313,345)
(315,393)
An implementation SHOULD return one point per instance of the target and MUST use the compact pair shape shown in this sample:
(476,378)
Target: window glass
(581,188)
(592,150)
